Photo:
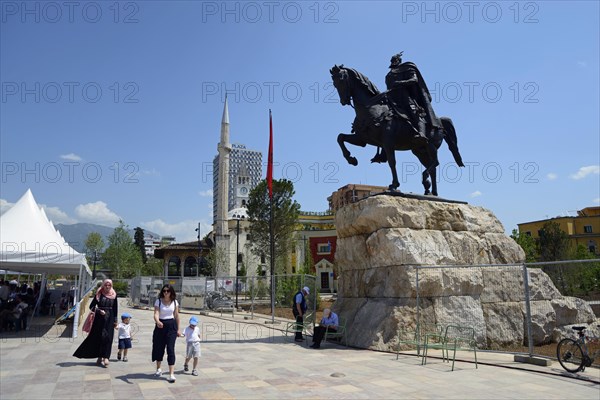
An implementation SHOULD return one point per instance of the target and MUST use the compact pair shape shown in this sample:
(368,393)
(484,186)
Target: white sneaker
(158,372)
(171,378)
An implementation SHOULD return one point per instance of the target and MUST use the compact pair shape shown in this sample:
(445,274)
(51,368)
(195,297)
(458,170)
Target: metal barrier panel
(513,308)
(564,294)
(489,299)
(250,293)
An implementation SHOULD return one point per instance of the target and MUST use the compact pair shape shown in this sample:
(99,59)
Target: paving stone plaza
(248,359)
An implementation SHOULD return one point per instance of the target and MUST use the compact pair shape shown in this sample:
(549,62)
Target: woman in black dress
(98,344)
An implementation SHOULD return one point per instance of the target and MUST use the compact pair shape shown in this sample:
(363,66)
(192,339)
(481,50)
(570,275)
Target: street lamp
(237,218)
(199,250)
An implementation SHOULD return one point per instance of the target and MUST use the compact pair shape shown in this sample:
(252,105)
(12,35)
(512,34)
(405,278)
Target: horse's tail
(451,140)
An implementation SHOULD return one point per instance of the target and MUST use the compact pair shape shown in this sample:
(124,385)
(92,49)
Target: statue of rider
(408,93)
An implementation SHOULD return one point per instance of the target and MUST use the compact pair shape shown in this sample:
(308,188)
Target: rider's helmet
(396,60)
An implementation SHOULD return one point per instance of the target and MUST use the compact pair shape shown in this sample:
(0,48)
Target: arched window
(190,267)
(174,266)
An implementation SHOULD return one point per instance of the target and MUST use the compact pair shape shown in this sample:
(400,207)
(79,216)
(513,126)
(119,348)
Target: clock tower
(242,187)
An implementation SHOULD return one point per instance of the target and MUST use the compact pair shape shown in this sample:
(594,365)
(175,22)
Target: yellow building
(583,229)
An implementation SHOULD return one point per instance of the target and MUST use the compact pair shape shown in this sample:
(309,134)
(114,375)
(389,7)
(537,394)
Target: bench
(455,337)
(415,338)
(339,333)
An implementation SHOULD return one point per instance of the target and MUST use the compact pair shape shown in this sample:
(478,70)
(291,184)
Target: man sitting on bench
(329,322)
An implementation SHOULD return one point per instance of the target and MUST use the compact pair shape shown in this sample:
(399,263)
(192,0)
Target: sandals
(102,362)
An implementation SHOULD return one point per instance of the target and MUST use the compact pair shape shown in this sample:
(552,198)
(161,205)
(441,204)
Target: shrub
(121,288)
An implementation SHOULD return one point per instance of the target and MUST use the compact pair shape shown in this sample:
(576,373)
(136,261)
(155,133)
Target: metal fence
(517,308)
(227,294)
(522,308)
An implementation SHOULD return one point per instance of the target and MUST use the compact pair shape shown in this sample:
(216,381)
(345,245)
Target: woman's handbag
(89,321)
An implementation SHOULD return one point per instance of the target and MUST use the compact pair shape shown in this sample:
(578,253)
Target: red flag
(270,160)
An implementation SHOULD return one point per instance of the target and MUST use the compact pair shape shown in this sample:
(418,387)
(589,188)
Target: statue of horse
(377,125)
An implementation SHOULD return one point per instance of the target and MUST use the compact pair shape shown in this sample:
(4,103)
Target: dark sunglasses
(166,290)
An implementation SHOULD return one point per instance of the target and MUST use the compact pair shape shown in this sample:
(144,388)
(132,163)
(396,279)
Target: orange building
(351,193)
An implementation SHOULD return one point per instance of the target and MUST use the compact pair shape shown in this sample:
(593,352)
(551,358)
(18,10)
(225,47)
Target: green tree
(582,253)
(285,218)
(122,256)
(527,243)
(553,243)
(153,267)
(140,243)
(93,244)
(216,262)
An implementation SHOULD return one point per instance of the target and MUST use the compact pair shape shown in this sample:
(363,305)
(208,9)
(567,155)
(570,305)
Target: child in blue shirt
(192,338)
(124,336)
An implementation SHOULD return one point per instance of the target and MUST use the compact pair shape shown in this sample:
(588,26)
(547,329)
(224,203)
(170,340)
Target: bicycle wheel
(570,355)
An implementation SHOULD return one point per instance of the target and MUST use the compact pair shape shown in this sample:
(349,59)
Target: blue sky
(112,110)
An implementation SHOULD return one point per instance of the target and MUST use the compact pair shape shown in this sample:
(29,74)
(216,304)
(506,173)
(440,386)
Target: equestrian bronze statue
(399,119)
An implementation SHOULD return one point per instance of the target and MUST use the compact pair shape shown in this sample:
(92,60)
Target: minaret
(221,231)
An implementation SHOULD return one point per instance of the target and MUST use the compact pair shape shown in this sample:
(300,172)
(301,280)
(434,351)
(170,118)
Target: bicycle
(573,354)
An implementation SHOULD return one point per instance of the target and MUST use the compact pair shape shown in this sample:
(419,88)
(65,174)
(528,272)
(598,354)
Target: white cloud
(551,176)
(206,193)
(97,213)
(57,216)
(5,206)
(476,193)
(596,200)
(184,231)
(70,157)
(585,171)
(54,214)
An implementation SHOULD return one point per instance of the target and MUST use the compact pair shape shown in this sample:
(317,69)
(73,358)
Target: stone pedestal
(383,238)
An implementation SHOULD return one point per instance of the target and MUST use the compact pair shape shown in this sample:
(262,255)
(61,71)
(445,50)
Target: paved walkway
(250,360)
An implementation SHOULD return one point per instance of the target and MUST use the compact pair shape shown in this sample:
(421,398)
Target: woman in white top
(166,331)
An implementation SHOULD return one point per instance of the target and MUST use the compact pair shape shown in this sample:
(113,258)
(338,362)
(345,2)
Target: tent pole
(76,303)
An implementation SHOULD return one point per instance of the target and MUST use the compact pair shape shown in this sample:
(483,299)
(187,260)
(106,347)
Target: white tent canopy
(30,243)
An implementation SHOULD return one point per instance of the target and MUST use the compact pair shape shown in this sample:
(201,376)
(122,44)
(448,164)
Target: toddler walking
(124,336)
(192,338)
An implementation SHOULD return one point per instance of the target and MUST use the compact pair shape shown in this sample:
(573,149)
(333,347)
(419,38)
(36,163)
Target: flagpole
(271,234)
(272,262)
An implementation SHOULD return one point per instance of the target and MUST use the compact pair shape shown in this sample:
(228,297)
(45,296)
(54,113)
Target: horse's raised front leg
(352,139)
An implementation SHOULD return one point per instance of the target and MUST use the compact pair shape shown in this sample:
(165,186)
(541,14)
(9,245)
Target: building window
(528,233)
(324,248)
(587,228)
